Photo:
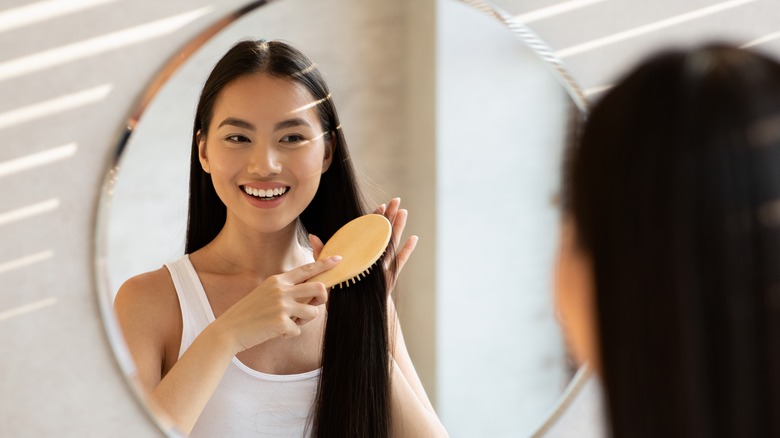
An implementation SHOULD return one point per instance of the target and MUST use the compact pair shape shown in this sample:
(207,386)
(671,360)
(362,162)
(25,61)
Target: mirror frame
(124,362)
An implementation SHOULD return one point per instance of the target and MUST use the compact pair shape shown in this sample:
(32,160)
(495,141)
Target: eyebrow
(289,123)
(232,121)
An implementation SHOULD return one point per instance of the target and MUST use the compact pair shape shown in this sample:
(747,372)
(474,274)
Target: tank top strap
(196,312)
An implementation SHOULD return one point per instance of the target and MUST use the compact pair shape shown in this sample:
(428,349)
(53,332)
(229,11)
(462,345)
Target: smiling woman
(268,358)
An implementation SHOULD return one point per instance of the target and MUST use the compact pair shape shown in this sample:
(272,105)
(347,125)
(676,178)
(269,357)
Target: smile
(267,194)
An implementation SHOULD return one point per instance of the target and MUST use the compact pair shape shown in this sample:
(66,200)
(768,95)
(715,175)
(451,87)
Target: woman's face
(265,150)
(574,297)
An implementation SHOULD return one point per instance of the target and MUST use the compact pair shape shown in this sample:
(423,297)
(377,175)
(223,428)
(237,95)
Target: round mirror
(443,105)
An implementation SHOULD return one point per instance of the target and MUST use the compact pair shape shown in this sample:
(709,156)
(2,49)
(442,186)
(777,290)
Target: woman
(230,340)
(669,274)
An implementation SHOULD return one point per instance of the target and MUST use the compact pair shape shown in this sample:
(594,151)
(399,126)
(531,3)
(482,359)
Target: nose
(264,161)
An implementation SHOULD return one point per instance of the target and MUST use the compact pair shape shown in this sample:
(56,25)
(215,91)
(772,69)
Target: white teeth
(260,193)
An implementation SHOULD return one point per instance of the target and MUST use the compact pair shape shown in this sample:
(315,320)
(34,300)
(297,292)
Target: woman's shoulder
(149,299)
(149,285)
(147,310)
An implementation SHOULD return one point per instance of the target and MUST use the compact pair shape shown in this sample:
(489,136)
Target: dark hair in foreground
(675,195)
(353,398)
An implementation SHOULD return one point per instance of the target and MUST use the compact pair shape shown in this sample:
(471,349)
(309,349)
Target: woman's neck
(237,250)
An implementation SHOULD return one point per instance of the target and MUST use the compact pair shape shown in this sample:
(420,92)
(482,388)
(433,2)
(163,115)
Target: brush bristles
(345,284)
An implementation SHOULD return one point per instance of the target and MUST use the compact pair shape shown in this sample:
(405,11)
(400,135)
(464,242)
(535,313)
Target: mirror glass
(475,157)
(502,124)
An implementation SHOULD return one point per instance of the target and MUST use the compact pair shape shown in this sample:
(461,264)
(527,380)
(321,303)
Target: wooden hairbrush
(360,243)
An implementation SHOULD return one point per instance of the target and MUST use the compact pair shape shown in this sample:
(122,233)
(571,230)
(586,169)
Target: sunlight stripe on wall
(551,11)
(42,11)
(93,46)
(27,308)
(26,261)
(29,211)
(37,159)
(761,40)
(53,106)
(648,28)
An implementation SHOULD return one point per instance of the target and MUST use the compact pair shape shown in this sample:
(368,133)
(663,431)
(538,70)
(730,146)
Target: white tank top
(246,403)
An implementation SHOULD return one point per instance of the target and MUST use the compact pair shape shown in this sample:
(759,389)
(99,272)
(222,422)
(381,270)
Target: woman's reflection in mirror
(669,272)
(230,340)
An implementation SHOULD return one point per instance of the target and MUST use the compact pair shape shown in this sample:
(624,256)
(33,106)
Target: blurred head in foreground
(669,271)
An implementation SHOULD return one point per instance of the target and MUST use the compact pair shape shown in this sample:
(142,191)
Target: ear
(202,156)
(330,146)
(575,297)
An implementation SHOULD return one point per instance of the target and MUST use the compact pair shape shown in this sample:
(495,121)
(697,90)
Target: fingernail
(335,258)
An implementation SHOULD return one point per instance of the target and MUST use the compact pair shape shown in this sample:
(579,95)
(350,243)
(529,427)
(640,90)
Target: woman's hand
(277,307)
(397,217)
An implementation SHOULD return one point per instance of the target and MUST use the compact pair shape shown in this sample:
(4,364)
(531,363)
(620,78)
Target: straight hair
(353,395)
(674,191)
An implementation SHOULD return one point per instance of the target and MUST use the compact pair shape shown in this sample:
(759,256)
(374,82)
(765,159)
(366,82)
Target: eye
(236,138)
(292,138)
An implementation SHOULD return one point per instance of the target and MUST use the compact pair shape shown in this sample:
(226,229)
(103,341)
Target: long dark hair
(674,190)
(353,398)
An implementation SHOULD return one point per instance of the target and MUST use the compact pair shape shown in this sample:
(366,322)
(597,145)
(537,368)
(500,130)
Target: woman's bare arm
(147,304)
(412,412)
(149,316)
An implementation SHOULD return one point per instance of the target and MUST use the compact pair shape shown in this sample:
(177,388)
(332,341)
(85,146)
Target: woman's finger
(290,329)
(316,245)
(398,229)
(309,270)
(309,293)
(303,313)
(405,253)
(320,298)
(398,226)
(400,260)
(392,209)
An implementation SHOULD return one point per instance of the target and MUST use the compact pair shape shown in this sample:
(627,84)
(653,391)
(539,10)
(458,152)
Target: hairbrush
(360,243)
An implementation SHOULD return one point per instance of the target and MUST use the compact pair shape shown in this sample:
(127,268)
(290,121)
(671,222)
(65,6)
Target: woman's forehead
(266,98)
